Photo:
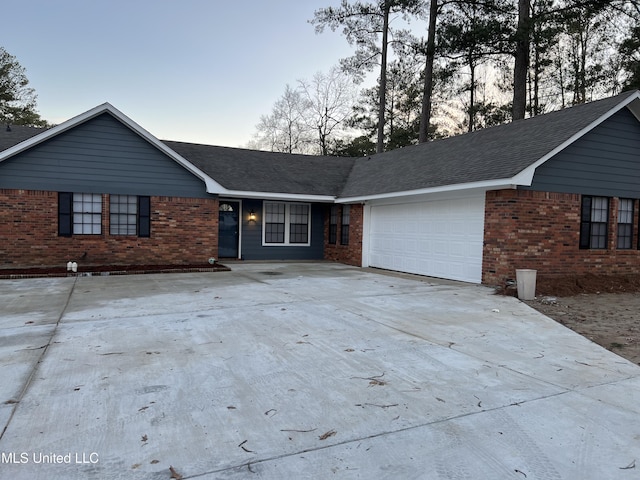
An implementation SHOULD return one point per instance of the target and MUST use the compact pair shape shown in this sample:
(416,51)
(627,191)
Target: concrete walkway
(308,370)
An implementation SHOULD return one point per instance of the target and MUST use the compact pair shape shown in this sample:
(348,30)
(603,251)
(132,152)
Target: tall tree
(470,34)
(363,24)
(630,51)
(521,63)
(427,93)
(17,99)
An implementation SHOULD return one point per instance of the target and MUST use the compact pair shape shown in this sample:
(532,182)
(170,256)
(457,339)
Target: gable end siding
(99,156)
(605,161)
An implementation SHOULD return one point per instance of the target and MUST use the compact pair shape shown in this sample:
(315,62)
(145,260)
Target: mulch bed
(104,270)
(567,286)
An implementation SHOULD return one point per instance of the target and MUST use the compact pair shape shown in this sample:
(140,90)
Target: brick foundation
(183,231)
(349,254)
(541,231)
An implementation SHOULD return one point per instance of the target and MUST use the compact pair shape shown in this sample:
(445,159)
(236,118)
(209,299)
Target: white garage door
(438,238)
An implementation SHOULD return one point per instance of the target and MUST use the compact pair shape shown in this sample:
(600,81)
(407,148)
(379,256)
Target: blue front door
(229,229)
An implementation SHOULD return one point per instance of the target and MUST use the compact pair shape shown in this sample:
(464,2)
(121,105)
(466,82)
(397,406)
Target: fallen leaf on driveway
(174,474)
(328,434)
(630,466)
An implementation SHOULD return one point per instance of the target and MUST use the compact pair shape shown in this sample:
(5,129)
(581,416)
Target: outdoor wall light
(252,216)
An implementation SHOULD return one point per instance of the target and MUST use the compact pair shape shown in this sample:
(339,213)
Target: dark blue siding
(99,156)
(252,248)
(605,161)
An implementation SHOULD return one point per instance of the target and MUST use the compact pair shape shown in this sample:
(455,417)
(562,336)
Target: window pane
(625,223)
(625,211)
(344,229)
(274,222)
(274,212)
(299,233)
(87,213)
(298,223)
(123,219)
(625,235)
(598,235)
(274,233)
(599,209)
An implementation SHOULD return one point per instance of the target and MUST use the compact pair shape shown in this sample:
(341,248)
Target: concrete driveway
(308,370)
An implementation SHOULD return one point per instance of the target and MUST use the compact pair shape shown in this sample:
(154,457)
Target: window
(333,224)
(298,223)
(344,228)
(274,218)
(286,223)
(123,215)
(81,214)
(593,222)
(625,223)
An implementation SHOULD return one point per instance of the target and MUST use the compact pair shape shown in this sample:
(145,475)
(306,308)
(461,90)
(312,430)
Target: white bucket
(526,281)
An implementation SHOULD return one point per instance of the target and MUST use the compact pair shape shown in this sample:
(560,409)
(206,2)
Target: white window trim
(287,225)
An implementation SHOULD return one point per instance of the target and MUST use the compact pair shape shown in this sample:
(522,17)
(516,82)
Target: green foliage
(17,99)
(361,146)
(630,50)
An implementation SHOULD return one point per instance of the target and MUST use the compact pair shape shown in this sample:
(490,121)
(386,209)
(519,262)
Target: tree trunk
(425,114)
(472,96)
(521,63)
(383,77)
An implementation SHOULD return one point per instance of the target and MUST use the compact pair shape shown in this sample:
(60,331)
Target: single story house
(558,193)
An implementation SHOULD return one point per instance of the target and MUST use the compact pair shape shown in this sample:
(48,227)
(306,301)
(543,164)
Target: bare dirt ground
(605,310)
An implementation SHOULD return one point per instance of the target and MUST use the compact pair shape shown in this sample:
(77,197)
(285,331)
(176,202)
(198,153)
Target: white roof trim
(279,196)
(211,185)
(505,183)
(525,177)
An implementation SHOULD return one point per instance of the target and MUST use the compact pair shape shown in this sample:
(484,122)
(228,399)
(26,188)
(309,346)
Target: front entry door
(228,229)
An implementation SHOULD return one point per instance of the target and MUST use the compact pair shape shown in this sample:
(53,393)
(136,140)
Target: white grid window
(123,214)
(87,213)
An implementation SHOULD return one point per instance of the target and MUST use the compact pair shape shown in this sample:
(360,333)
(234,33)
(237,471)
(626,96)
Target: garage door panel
(439,238)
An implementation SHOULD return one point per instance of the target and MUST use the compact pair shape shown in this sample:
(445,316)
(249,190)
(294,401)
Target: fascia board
(504,183)
(278,196)
(525,177)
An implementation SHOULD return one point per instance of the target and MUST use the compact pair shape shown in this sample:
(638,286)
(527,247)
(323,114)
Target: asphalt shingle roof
(15,134)
(259,171)
(490,154)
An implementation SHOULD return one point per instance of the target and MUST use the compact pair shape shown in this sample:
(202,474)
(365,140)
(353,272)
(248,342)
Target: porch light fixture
(252,216)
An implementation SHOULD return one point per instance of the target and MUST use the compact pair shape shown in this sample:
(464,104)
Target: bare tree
(329,99)
(284,129)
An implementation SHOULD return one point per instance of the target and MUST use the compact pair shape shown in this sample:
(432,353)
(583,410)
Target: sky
(200,71)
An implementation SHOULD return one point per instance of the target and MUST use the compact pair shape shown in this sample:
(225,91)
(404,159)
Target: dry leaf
(328,434)
(630,466)
(174,474)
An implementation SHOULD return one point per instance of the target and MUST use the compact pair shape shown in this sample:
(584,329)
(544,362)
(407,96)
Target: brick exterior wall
(183,231)
(541,231)
(349,254)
